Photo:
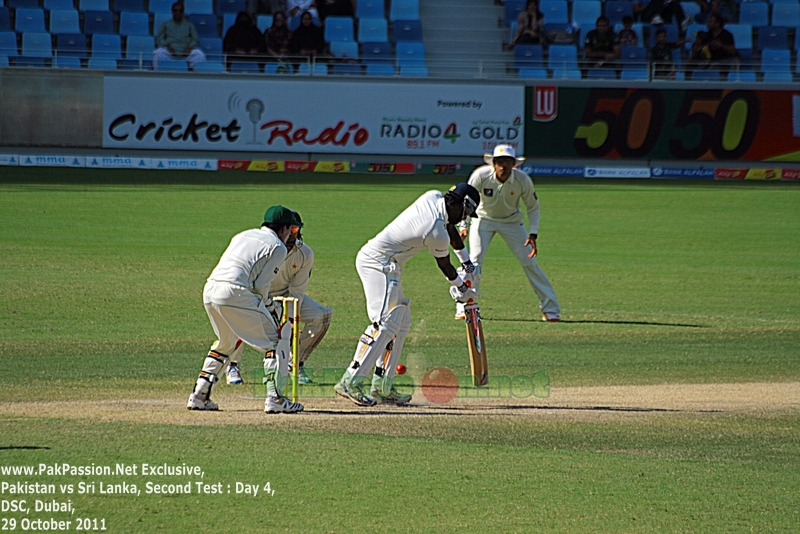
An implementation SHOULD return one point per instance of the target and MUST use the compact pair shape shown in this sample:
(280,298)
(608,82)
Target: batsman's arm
(449,271)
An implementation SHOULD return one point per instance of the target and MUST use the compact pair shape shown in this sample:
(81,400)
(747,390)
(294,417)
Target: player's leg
(515,236)
(195,56)
(159,55)
(233,373)
(383,389)
(315,320)
(214,362)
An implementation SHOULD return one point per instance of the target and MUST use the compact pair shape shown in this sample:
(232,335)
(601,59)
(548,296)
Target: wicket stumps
(293,316)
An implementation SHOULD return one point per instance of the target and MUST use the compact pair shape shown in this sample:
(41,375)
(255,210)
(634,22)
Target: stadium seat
(212,47)
(60,62)
(634,74)
(370,9)
(633,57)
(136,64)
(50,5)
(196,7)
(8,44)
(534,74)
(339,29)
(5,20)
(404,10)
(139,47)
(585,13)
(773,37)
(410,53)
(778,77)
(562,57)
(228,20)
(691,32)
(601,74)
(775,61)
(29,20)
(344,49)
(160,6)
(528,57)
(64,21)
(380,70)
(134,23)
(210,66)
(742,76)
(37,44)
(98,22)
(71,45)
(243,67)
(555,11)
(131,6)
(512,10)
(16,4)
(271,68)
(174,65)
(347,69)
(616,9)
(786,14)
(417,71)
(93,5)
(101,64)
(106,46)
(705,75)
(31,61)
(754,13)
(742,35)
(672,34)
(320,69)
(231,6)
(4,61)
(566,74)
(690,8)
(377,53)
(373,30)
(407,30)
(263,22)
(206,24)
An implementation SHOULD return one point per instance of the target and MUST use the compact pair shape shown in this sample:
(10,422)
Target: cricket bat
(476,344)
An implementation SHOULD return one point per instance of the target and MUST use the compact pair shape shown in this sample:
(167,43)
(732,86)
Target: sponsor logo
(233,165)
(545,103)
(488,191)
(790,174)
(730,174)
(763,174)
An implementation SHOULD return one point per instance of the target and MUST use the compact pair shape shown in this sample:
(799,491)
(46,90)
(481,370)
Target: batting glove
(464,293)
(275,309)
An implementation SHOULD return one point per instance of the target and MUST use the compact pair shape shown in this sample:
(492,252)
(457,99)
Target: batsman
(429,223)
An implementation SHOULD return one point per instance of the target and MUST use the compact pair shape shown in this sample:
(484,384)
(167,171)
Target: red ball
(401,369)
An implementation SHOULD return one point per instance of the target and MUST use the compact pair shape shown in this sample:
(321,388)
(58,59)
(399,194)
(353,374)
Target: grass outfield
(675,374)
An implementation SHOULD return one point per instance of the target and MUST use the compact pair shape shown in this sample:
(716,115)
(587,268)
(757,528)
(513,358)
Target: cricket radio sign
(304,115)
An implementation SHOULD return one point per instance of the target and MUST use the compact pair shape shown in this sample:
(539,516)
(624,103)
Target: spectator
(627,35)
(177,39)
(662,11)
(295,10)
(243,41)
(278,37)
(307,39)
(530,25)
(661,55)
(600,45)
(716,46)
(727,9)
(336,8)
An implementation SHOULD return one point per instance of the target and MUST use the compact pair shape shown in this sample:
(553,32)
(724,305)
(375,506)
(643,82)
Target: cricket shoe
(281,405)
(394,397)
(302,377)
(354,394)
(550,317)
(233,376)
(197,404)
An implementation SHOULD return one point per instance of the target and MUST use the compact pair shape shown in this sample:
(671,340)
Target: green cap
(279,215)
(297,220)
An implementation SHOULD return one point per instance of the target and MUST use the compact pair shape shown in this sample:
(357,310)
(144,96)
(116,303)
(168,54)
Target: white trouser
(242,316)
(195,56)
(481,233)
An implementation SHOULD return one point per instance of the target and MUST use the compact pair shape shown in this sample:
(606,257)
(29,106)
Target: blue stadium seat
(98,22)
(601,74)
(210,66)
(616,9)
(773,37)
(742,35)
(136,64)
(212,47)
(585,13)
(786,14)
(231,6)
(174,65)
(50,5)
(672,34)
(742,76)
(339,29)
(320,69)
(380,70)
(562,57)
(160,6)
(5,20)
(37,44)
(8,44)
(633,57)
(139,46)
(228,20)
(4,61)
(555,11)
(754,13)
(534,74)
(347,69)
(690,8)
(417,71)
(29,20)
(705,75)
(566,74)
(263,22)
(16,4)
(106,46)
(31,61)
(131,6)
(372,30)
(410,53)
(377,53)
(101,64)
(71,45)
(206,24)
(528,57)
(512,10)
(64,21)
(93,5)
(775,61)
(134,23)
(370,9)
(404,10)
(634,74)
(407,30)
(342,49)
(778,77)
(60,62)
(194,7)
(243,67)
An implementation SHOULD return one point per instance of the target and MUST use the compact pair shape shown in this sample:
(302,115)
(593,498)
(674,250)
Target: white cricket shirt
(500,201)
(293,276)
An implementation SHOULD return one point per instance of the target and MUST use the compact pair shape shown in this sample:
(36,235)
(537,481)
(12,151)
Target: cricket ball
(401,369)
(440,385)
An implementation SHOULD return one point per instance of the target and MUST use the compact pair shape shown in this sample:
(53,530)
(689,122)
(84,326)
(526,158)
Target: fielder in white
(238,304)
(501,187)
(429,223)
(292,281)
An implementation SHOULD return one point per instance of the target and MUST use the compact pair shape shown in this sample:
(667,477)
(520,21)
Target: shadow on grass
(579,321)
(24,448)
